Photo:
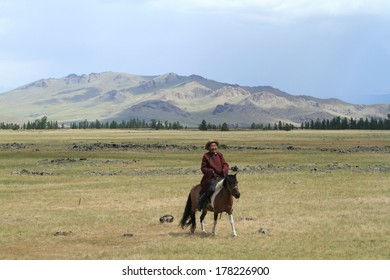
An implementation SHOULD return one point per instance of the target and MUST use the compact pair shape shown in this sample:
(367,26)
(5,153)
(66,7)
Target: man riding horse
(214,168)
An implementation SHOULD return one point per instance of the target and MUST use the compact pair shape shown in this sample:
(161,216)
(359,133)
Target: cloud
(302,46)
(290,9)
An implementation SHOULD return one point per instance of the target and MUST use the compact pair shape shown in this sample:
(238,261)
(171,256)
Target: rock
(264,231)
(166,219)
(63,233)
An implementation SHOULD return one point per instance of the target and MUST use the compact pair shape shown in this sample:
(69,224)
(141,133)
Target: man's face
(213,147)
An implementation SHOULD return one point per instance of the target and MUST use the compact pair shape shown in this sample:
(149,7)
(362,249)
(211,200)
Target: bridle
(231,189)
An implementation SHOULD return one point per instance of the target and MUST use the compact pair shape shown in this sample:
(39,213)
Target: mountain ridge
(172,97)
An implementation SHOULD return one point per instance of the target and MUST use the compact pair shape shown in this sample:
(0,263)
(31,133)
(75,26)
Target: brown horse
(221,201)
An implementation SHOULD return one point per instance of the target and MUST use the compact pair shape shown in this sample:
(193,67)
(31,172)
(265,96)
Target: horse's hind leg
(194,199)
(215,223)
(193,222)
(204,212)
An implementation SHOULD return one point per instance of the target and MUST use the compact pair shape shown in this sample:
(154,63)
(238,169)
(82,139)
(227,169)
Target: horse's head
(231,184)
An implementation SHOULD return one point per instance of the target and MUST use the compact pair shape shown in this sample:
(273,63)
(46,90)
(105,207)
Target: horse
(221,201)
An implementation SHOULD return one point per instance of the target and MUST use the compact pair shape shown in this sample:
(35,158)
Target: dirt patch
(63,233)
(248,169)
(130,146)
(65,160)
(357,149)
(14,145)
(27,172)
(270,168)
(158,146)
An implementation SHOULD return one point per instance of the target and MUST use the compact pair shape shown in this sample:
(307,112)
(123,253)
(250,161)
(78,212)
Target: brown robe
(213,164)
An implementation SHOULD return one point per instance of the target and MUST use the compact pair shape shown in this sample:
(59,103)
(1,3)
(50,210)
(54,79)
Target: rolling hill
(187,99)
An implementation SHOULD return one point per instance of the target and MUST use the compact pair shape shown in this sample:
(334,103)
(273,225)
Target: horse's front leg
(231,220)
(215,223)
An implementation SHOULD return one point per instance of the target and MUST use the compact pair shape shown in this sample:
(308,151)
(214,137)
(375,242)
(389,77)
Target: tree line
(208,126)
(43,123)
(351,123)
(325,124)
(129,124)
(276,126)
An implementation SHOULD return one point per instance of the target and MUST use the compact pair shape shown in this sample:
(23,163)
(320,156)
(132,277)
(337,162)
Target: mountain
(187,99)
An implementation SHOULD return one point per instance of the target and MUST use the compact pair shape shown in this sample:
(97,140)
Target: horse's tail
(187,213)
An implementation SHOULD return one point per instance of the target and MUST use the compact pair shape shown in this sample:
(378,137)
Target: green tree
(224,127)
(203,125)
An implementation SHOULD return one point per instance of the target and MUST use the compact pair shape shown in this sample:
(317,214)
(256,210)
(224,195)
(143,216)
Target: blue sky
(323,48)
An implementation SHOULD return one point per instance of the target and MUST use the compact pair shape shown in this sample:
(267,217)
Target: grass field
(73,194)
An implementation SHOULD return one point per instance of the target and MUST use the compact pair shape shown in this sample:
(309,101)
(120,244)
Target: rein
(231,189)
(235,187)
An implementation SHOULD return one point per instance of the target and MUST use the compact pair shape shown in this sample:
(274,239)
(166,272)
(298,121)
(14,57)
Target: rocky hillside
(187,99)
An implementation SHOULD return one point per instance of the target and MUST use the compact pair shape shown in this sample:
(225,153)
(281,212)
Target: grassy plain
(320,194)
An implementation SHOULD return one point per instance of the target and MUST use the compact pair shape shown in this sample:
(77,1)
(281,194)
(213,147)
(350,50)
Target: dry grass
(312,211)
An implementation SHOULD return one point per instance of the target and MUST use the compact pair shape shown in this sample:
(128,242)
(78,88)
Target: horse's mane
(228,179)
(224,181)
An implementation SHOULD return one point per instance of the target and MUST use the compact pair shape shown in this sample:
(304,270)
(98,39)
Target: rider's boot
(201,201)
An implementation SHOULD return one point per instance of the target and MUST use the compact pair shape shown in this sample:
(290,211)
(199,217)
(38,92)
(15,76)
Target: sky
(323,48)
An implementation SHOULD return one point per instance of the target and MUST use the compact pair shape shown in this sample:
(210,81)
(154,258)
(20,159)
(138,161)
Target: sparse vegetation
(99,194)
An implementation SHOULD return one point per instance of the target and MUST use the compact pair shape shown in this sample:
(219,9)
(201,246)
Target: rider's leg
(206,195)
